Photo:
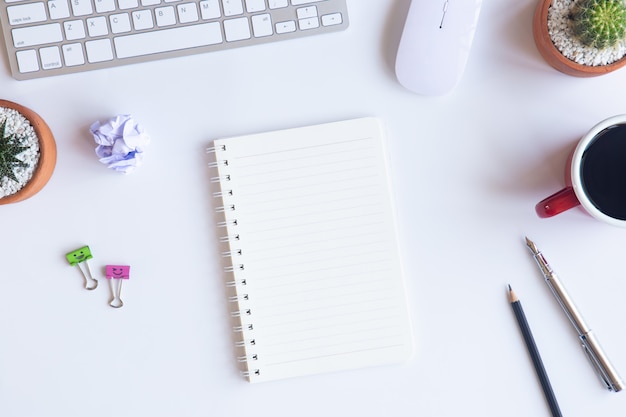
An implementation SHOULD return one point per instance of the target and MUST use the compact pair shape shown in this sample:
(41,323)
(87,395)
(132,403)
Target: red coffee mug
(579,189)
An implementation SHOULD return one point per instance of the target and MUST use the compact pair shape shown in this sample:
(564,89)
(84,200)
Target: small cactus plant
(28,152)
(599,23)
(9,149)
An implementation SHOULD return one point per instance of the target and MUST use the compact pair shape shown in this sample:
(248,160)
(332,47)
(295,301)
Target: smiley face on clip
(79,255)
(117,271)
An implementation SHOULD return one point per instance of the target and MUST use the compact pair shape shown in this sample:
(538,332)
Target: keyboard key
(58,9)
(278,4)
(99,50)
(127,4)
(309,23)
(165,16)
(142,20)
(81,7)
(232,7)
(26,13)
(254,6)
(74,29)
(37,35)
(332,19)
(103,6)
(301,2)
(27,61)
(168,40)
(50,57)
(187,12)
(150,2)
(97,26)
(73,54)
(286,27)
(305,12)
(237,29)
(120,23)
(262,25)
(210,9)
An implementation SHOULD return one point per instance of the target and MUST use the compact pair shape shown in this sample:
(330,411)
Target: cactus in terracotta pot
(599,23)
(27,152)
(583,38)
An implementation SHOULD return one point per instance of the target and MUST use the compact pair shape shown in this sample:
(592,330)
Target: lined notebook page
(316,268)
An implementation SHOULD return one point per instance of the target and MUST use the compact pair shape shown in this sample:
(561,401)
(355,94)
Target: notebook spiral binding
(245,342)
(223,209)
(249,373)
(238,313)
(235,283)
(230,253)
(220,179)
(232,268)
(229,238)
(242,313)
(213,149)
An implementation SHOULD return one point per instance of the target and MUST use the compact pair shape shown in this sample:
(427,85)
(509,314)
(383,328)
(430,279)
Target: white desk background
(467,170)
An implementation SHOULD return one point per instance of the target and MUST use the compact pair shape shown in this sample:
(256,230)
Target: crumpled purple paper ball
(121,143)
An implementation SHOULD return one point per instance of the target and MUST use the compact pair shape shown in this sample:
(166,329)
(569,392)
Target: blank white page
(316,268)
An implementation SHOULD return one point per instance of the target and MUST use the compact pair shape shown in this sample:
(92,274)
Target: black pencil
(534,354)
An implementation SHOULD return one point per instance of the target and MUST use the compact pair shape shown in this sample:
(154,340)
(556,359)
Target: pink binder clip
(118,273)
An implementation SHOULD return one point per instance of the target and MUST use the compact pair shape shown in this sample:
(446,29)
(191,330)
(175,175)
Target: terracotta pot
(554,57)
(47,155)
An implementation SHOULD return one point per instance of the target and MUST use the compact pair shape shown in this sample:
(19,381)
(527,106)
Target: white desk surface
(468,169)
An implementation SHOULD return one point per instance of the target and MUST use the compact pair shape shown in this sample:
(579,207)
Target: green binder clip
(79,258)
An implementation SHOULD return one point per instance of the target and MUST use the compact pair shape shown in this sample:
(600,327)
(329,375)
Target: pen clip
(595,363)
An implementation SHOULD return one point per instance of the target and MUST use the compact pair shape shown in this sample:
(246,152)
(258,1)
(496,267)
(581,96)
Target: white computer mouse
(435,44)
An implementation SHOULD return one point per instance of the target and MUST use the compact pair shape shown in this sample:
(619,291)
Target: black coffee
(603,171)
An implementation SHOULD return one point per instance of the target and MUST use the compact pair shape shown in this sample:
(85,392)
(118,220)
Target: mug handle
(557,203)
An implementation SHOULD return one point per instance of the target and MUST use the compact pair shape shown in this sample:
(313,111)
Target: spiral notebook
(314,266)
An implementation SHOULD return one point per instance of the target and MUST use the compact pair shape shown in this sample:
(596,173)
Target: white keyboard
(52,37)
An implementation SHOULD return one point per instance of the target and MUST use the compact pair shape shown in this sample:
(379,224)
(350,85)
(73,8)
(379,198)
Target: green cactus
(599,23)
(9,149)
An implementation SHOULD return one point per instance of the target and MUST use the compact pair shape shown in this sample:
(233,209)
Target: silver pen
(590,344)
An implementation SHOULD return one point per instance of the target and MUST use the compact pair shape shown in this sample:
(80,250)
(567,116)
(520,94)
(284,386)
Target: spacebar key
(167,40)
